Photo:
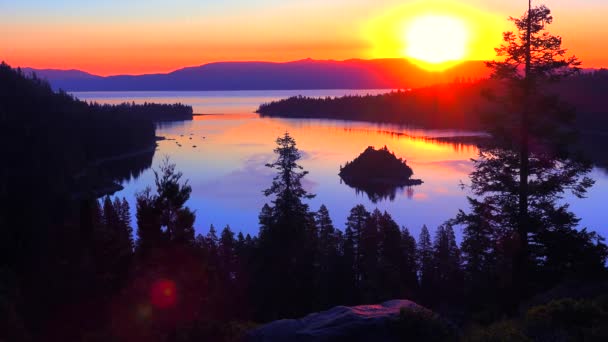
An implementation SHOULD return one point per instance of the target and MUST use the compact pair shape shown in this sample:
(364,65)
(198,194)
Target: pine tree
(226,253)
(368,257)
(163,218)
(409,265)
(285,248)
(328,259)
(390,259)
(355,223)
(446,264)
(349,279)
(175,217)
(425,263)
(521,174)
(265,220)
(125,218)
(480,255)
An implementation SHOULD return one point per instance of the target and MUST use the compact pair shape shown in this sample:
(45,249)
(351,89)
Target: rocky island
(378,166)
(378,173)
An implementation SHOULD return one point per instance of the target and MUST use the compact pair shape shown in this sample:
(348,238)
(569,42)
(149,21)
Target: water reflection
(227,173)
(377,192)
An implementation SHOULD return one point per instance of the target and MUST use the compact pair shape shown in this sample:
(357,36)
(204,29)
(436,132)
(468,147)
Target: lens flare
(163,294)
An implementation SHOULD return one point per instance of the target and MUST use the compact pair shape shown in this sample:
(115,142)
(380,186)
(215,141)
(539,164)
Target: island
(378,173)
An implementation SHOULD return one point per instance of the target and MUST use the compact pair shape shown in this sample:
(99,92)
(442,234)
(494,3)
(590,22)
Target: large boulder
(356,323)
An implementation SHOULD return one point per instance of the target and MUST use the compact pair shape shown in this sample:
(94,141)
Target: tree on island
(522,173)
(379,173)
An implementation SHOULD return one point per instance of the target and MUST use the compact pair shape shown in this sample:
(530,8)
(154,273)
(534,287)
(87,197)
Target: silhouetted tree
(368,257)
(349,278)
(479,255)
(409,266)
(329,289)
(391,261)
(163,218)
(113,244)
(425,263)
(447,277)
(355,224)
(284,260)
(522,173)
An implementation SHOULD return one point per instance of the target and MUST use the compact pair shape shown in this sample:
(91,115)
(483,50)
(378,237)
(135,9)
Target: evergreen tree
(113,247)
(124,213)
(226,254)
(368,257)
(163,218)
(175,218)
(265,219)
(446,265)
(521,174)
(480,255)
(425,264)
(212,239)
(390,260)
(329,289)
(355,223)
(409,264)
(285,253)
(349,280)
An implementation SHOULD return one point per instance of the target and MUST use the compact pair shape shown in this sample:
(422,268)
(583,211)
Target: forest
(460,104)
(160,281)
(438,106)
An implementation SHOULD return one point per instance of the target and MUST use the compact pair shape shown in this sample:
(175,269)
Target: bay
(222,155)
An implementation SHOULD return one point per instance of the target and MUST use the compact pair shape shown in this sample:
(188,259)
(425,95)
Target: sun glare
(434,34)
(436,39)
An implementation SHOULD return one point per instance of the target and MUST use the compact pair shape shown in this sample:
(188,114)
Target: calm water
(227,173)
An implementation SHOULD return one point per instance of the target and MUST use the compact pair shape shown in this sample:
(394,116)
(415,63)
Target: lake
(222,155)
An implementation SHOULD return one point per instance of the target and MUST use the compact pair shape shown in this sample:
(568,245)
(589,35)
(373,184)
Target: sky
(151,36)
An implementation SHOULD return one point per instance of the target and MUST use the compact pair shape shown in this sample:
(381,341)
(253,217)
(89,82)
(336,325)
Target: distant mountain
(304,74)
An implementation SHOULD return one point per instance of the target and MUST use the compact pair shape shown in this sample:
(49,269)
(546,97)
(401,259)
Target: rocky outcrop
(341,323)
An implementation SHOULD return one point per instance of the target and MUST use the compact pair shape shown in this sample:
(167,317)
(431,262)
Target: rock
(341,323)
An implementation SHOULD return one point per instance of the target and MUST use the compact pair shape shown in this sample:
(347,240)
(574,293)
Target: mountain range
(390,73)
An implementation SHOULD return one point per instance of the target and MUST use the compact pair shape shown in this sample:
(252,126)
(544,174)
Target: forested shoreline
(457,105)
(440,106)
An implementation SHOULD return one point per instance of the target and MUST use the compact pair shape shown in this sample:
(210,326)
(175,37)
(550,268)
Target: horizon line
(455,63)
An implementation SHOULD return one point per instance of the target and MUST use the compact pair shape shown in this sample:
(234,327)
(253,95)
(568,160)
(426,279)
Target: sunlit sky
(145,36)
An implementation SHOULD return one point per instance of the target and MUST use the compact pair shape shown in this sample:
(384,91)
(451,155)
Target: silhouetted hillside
(54,138)
(149,111)
(440,106)
(304,74)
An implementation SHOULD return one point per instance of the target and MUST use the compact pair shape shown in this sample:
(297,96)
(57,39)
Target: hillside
(57,139)
(452,106)
(303,74)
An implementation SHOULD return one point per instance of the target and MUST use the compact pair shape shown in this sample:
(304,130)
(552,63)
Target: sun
(436,39)
(434,34)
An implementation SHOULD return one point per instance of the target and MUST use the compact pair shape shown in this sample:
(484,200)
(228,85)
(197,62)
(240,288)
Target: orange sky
(110,37)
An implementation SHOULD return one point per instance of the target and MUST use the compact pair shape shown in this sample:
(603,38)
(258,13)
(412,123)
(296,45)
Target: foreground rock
(341,323)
